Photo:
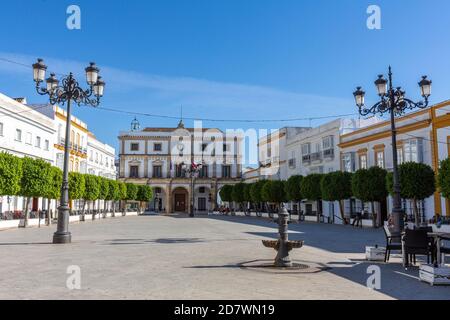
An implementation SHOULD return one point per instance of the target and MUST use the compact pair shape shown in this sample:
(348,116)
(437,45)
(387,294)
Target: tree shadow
(25,243)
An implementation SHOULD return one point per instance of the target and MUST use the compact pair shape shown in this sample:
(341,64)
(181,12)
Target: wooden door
(180,202)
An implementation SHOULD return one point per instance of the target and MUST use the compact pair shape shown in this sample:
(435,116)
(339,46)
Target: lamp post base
(62,238)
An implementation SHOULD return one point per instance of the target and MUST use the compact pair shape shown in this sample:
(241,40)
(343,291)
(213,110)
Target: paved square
(173,257)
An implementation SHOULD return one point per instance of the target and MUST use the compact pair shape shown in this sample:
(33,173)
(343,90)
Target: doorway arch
(180,202)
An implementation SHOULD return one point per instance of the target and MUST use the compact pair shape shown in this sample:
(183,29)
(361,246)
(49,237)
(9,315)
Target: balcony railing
(306,158)
(72,146)
(329,153)
(316,156)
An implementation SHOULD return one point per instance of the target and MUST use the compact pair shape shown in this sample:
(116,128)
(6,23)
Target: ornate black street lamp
(393,101)
(67,92)
(192,172)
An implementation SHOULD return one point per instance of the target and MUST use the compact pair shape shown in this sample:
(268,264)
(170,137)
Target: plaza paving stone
(176,257)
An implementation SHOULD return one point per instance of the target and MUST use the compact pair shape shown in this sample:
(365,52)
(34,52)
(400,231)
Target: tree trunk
(416,213)
(27,203)
(93,209)
(374,215)
(341,209)
(113,208)
(318,211)
(48,217)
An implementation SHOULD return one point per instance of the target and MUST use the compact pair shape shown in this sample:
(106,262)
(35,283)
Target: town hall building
(186,167)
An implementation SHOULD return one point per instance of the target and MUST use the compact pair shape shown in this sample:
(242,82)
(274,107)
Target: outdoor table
(437,238)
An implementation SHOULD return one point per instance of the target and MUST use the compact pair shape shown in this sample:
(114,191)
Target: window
(348,162)
(413,150)
(363,161)
(18,135)
(226,147)
(134,171)
(135,147)
(179,171)
(96,157)
(38,142)
(204,146)
(226,171)
(78,139)
(379,157)
(328,143)
(1,129)
(204,172)
(158,190)
(91,156)
(28,138)
(157,147)
(46,145)
(157,172)
(306,148)
(201,190)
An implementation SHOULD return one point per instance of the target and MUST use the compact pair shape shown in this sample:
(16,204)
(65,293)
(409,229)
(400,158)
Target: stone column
(169,198)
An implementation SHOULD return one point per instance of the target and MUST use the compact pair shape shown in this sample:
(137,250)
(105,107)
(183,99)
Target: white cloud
(196,94)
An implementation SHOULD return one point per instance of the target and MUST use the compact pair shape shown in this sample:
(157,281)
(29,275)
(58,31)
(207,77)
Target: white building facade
(422,136)
(155,156)
(24,132)
(316,151)
(101,158)
(272,153)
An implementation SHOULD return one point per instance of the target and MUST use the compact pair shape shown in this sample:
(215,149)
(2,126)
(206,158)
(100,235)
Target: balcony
(328,154)
(316,156)
(306,159)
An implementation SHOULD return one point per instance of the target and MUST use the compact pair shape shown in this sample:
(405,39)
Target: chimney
(21,100)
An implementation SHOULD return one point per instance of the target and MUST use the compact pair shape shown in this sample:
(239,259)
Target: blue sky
(261,59)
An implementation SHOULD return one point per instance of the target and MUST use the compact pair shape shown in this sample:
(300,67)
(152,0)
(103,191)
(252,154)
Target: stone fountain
(283,246)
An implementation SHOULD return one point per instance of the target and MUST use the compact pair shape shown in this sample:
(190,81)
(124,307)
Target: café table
(438,237)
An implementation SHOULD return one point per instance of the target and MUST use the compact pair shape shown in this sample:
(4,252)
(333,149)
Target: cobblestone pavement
(176,257)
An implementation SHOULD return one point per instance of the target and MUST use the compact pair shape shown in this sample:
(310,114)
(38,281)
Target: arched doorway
(180,200)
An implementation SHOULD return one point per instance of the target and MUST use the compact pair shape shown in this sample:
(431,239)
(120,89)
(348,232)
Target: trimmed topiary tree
(77,188)
(103,194)
(225,193)
(369,185)
(36,179)
(132,191)
(92,190)
(113,195)
(144,195)
(237,194)
(248,196)
(274,191)
(122,195)
(443,178)
(53,190)
(337,186)
(292,187)
(417,181)
(10,174)
(310,189)
(255,194)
